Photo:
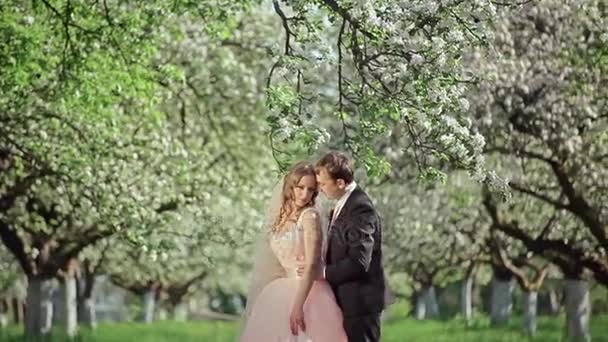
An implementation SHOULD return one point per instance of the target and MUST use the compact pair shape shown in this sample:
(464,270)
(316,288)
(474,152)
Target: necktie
(334,213)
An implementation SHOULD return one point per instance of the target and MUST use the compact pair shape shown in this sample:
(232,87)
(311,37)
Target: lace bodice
(288,246)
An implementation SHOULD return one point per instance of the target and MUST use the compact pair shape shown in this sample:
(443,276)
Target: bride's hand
(296,320)
(317,276)
(301,270)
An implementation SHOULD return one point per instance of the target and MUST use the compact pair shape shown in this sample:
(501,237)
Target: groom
(354,255)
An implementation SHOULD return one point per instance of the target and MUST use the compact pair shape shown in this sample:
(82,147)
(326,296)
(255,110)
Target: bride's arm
(312,256)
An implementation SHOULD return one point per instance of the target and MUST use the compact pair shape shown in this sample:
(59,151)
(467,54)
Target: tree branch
(538,195)
(580,207)
(15,244)
(335,7)
(555,250)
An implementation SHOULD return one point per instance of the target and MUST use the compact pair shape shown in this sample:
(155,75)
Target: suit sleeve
(359,236)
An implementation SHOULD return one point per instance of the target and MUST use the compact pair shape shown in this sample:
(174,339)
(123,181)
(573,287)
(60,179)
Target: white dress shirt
(340,203)
(338,208)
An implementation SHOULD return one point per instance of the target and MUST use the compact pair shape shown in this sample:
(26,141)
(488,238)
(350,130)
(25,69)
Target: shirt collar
(348,190)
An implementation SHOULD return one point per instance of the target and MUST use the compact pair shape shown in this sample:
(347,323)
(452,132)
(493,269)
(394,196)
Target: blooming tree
(383,65)
(86,151)
(543,111)
(437,234)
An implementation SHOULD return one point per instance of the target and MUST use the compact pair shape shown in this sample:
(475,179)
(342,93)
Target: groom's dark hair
(338,166)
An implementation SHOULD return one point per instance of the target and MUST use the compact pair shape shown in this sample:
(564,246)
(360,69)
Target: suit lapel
(342,217)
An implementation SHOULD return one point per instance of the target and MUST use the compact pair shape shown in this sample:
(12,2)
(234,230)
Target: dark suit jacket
(354,257)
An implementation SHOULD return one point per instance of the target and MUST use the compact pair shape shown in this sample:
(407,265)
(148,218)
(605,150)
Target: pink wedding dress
(269,318)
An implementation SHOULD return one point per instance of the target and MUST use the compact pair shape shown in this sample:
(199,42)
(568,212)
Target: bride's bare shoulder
(310,215)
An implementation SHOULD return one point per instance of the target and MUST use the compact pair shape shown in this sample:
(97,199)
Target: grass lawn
(395,329)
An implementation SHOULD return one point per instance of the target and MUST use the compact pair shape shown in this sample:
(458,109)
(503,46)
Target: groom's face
(332,188)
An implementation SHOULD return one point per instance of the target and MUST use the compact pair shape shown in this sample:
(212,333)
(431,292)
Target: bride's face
(304,190)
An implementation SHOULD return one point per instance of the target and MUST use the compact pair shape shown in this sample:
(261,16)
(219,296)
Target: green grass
(549,329)
(395,329)
(137,332)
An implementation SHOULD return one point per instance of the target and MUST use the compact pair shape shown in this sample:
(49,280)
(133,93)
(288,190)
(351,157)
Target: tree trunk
(578,310)
(501,306)
(530,309)
(4,313)
(18,311)
(39,307)
(426,303)
(86,312)
(420,312)
(466,298)
(149,301)
(67,309)
(161,313)
(553,302)
(86,300)
(180,312)
(432,307)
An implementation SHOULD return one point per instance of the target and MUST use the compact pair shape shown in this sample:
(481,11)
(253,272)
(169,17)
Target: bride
(282,306)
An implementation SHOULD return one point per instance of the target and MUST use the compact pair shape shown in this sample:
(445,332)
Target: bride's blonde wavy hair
(290,181)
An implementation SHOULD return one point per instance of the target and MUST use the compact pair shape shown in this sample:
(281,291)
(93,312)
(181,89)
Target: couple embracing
(317,277)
